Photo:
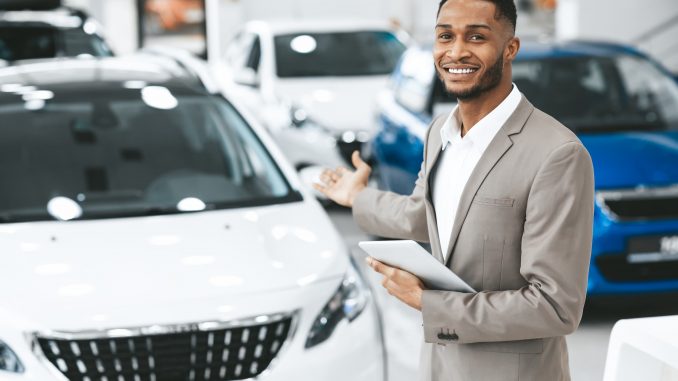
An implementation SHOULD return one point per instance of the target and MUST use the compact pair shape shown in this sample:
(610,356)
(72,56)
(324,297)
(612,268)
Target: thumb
(358,163)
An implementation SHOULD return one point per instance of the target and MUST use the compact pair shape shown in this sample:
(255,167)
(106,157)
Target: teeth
(461,71)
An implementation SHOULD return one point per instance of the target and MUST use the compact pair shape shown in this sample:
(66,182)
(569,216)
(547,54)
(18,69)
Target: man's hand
(399,283)
(342,185)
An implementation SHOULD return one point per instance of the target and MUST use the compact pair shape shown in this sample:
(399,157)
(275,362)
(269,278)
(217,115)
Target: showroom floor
(587,346)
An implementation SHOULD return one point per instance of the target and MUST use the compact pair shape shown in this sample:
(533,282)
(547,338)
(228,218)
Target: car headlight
(347,303)
(9,362)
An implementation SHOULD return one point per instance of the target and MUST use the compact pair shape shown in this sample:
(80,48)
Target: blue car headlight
(347,303)
(9,362)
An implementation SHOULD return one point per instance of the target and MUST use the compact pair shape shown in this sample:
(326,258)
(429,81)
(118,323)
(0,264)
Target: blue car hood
(627,160)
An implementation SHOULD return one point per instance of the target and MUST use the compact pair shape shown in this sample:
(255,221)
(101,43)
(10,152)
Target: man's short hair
(505,9)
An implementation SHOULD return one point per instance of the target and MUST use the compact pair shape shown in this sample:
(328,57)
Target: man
(504,196)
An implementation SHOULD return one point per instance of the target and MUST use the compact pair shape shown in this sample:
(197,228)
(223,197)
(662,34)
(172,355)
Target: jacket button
(454,337)
(442,336)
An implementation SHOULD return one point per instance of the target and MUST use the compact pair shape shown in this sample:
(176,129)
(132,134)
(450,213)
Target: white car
(314,84)
(151,231)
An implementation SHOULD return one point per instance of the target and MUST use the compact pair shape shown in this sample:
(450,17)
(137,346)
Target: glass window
(596,94)
(337,54)
(33,42)
(27,43)
(414,80)
(118,157)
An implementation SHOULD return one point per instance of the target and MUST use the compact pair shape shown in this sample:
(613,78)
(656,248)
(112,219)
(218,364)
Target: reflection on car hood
(339,103)
(627,160)
(68,275)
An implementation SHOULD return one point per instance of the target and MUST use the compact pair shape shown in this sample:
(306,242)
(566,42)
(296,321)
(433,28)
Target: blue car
(624,108)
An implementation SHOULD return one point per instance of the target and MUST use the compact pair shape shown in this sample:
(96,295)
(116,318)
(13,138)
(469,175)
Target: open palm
(342,185)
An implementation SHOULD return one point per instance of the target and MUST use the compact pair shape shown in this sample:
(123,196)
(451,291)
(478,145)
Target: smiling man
(504,196)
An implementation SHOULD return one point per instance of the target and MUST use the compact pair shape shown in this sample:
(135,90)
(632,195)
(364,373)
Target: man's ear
(512,48)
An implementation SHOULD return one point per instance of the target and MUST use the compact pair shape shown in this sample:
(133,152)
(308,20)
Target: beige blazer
(521,237)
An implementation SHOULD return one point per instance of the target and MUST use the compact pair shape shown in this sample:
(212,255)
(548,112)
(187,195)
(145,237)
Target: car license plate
(653,249)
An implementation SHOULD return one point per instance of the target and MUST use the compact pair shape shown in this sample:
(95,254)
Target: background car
(624,108)
(151,231)
(44,29)
(314,84)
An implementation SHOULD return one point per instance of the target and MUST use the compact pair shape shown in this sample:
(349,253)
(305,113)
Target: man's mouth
(460,70)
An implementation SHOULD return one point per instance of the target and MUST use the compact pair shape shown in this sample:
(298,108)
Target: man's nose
(457,50)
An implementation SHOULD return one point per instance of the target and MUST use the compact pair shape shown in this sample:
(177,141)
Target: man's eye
(476,37)
(444,36)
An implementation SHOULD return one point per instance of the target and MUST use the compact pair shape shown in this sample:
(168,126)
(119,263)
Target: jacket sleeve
(390,215)
(555,254)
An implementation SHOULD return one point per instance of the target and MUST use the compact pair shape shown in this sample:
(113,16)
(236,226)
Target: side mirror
(247,77)
(309,176)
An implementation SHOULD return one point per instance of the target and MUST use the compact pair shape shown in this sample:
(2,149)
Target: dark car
(624,108)
(45,29)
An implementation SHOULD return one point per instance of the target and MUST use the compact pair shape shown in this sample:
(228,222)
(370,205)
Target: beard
(490,79)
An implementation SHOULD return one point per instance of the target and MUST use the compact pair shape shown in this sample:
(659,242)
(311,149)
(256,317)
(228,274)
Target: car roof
(58,18)
(548,49)
(318,26)
(74,75)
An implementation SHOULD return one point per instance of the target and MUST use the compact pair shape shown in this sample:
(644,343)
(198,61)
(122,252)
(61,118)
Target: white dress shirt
(459,158)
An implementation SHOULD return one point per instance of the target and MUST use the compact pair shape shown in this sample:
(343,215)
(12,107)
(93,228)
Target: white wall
(623,21)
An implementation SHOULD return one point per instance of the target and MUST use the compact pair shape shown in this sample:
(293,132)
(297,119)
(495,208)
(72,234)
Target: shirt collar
(484,131)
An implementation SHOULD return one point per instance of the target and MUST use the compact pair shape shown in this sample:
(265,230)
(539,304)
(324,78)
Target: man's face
(470,47)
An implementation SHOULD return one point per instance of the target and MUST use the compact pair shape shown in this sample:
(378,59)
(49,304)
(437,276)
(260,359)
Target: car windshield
(33,42)
(337,54)
(102,156)
(599,94)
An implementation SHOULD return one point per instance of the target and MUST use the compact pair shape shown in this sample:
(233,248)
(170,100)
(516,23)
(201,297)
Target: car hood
(67,275)
(338,103)
(628,160)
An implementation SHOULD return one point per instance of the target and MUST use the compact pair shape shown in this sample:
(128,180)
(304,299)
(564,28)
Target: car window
(413,81)
(254,57)
(76,42)
(27,43)
(33,42)
(239,50)
(119,157)
(595,94)
(336,54)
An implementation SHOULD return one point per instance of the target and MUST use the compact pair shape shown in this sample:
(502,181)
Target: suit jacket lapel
(434,146)
(494,152)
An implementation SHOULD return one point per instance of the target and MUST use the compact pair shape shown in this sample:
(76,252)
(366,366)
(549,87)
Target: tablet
(409,256)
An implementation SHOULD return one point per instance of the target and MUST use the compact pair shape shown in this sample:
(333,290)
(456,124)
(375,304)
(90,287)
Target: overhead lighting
(158,97)
(304,44)
(134,84)
(38,94)
(191,204)
(10,87)
(34,105)
(63,208)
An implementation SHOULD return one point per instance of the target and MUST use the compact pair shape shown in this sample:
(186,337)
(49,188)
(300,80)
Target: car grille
(642,204)
(205,351)
(616,268)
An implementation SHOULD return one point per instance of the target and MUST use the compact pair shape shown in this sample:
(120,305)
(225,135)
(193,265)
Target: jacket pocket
(484,200)
(517,346)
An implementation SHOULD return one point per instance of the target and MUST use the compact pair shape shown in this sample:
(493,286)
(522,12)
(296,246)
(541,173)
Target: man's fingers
(357,161)
(381,268)
(320,188)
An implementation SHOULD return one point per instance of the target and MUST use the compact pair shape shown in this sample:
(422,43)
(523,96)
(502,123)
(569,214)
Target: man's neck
(473,110)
